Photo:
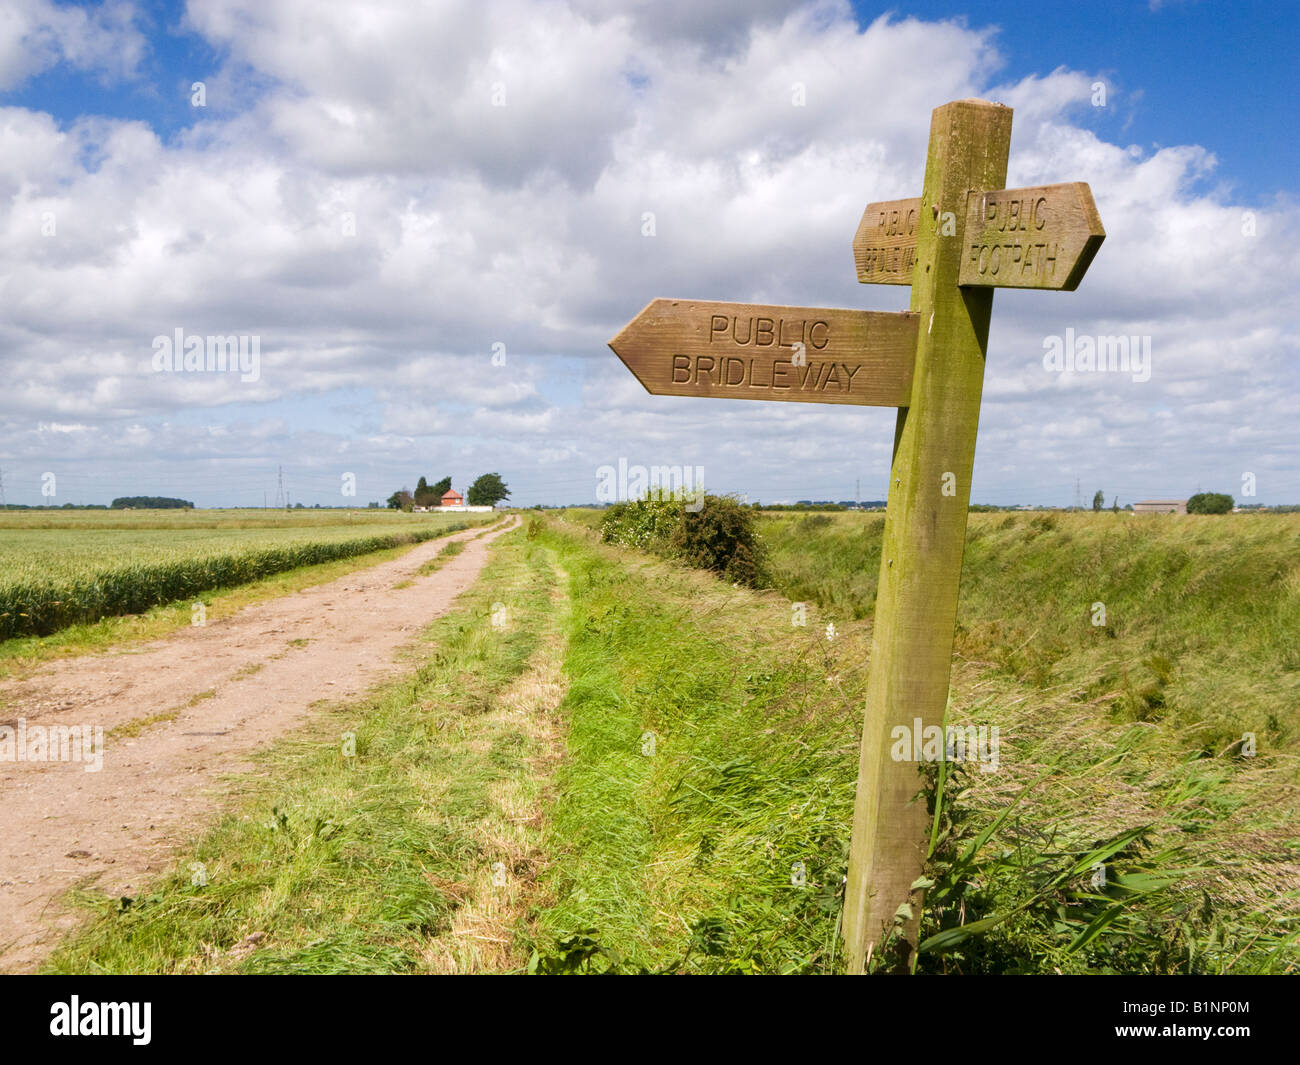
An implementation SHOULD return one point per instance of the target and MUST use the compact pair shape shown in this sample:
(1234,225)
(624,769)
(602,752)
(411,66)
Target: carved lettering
(731,371)
(760,351)
(745,332)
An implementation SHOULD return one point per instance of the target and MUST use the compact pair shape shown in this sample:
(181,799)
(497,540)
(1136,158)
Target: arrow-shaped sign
(755,351)
(1044,236)
(1039,237)
(884,246)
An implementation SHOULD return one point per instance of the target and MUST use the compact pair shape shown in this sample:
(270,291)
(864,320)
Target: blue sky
(1222,73)
(474,226)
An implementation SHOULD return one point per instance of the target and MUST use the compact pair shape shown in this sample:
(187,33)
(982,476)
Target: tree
(400,500)
(487,491)
(1098,501)
(430,495)
(150,503)
(1114,507)
(1209,503)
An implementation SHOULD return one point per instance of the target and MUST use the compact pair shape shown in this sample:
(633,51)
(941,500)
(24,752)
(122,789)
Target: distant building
(455,503)
(1161,506)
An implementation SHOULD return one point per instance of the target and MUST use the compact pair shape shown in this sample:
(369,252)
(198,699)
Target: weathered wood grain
(1043,237)
(884,246)
(759,351)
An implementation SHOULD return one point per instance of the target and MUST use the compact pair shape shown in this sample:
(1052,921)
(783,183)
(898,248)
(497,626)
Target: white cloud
(35,35)
(522,225)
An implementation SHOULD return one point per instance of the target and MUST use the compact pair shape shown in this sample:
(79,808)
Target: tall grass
(688,859)
(1194,620)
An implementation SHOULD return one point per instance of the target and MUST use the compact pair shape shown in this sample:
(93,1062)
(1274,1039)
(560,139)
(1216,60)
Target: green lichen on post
(925,526)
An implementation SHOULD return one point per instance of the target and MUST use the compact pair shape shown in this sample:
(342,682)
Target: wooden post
(925,525)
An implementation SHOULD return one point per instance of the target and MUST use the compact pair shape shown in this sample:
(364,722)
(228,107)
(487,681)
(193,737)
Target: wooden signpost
(962,237)
(1040,237)
(751,351)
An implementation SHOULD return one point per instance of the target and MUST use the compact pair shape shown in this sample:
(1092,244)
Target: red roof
(450,496)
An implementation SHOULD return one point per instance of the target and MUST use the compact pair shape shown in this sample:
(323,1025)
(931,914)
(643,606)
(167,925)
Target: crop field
(62,568)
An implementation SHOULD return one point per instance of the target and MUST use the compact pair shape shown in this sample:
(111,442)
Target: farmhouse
(455,502)
(1161,506)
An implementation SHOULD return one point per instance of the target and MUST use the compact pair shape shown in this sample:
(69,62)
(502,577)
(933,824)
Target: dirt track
(264,666)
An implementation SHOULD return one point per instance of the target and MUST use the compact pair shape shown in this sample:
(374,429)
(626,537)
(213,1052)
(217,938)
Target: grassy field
(648,769)
(58,569)
(1108,755)
(1192,621)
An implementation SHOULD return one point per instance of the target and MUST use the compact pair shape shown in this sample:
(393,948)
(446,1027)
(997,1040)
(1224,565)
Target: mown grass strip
(703,807)
(444,556)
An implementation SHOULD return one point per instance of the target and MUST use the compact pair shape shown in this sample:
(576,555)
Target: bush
(150,503)
(1209,503)
(643,523)
(721,537)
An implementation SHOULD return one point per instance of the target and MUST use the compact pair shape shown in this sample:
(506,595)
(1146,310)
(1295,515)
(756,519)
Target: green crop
(56,572)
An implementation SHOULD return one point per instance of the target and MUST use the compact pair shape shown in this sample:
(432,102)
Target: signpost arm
(925,526)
